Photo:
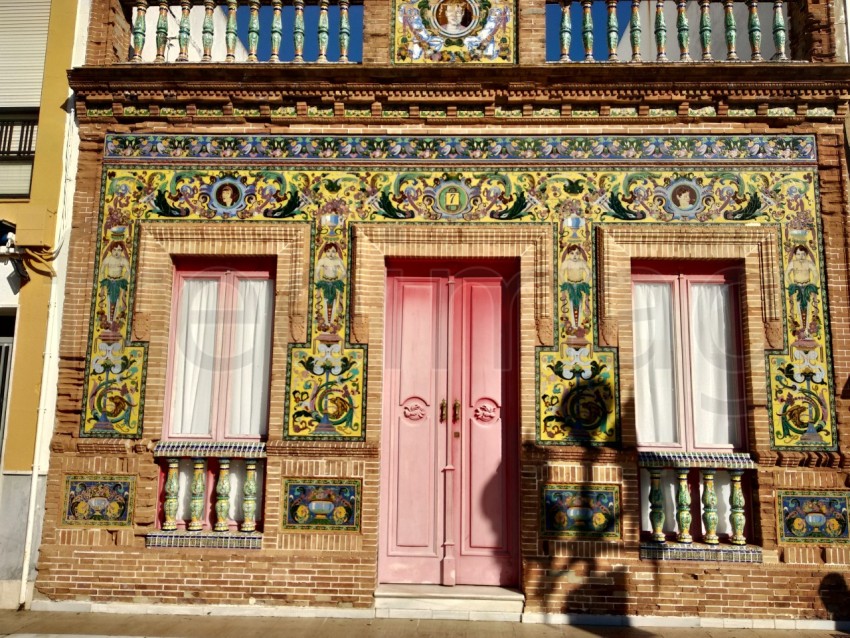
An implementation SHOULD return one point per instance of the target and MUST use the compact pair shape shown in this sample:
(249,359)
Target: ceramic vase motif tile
(807,516)
(99,500)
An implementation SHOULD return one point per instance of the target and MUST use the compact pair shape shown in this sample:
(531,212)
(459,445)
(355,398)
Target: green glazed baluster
(208,30)
(656,506)
(587,29)
(199,490)
(183,36)
(684,32)
(613,31)
(709,507)
(249,493)
(635,31)
(172,487)
(705,29)
(222,493)
(253,29)
(139,28)
(323,31)
(779,32)
(344,31)
(566,30)
(736,503)
(754,28)
(161,31)
(731,29)
(230,30)
(277,30)
(298,31)
(660,32)
(683,507)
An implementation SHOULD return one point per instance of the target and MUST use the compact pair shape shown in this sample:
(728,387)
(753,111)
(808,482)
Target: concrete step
(462,602)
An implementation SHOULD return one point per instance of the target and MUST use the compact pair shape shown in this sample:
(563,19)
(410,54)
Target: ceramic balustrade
(711,19)
(209,488)
(695,476)
(235,50)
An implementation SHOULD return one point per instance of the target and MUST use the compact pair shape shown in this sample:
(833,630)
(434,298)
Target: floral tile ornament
(317,504)
(582,510)
(337,182)
(99,500)
(452,31)
(807,516)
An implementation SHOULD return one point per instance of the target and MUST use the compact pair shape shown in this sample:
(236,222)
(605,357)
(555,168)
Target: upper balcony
(530,32)
(493,58)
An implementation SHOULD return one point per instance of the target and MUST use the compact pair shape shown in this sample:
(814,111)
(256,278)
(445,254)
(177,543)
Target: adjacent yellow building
(37,155)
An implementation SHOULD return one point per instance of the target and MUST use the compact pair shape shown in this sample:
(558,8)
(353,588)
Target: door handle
(456,411)
(443,411)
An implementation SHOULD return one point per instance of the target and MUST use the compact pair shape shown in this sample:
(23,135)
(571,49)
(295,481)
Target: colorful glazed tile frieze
(535,149)
(99,500)
(315,504)
(808,516)
(454,31)
(583,510)
(571,183)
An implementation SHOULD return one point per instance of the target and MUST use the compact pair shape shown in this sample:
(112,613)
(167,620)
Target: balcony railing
(211,494)
(230,31)
(686,484)
(641,30)
(609,31)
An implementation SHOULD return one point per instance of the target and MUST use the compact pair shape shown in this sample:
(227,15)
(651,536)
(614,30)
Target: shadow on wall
(835,596)
(576,584)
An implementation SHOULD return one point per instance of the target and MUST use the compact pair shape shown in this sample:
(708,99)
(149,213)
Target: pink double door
(449,510)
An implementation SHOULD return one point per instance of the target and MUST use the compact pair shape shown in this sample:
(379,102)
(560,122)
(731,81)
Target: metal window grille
(18,132)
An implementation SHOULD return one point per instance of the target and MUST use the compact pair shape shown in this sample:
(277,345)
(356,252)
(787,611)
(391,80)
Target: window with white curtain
(220,352)
(687,356)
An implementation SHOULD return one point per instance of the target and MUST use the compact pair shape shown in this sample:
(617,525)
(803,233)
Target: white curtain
(250,358)
(194,359)
(714,379)
(655,378)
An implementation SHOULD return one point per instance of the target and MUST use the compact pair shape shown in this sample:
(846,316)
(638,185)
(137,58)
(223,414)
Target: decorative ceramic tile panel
(99,500)
(809,516)
(572,183)
(454,31)
(583,510)
(316,504)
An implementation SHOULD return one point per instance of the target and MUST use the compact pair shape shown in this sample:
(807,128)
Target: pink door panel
(411,510)
(448,496)
(485,555)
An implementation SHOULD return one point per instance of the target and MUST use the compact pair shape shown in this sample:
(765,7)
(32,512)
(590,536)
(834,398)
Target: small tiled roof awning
(211,449)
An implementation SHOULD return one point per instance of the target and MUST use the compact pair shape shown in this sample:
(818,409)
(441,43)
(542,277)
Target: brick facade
(111,564)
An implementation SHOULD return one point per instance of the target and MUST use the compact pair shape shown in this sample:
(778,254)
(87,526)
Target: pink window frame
(681,277)
(227,274)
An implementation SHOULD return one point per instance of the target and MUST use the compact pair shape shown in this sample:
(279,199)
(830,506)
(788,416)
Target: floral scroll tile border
(98,500)
(322,504)
(813,516)
(538,149)
(580,511)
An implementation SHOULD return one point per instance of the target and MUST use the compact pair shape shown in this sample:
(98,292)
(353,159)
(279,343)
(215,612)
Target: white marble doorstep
(442,614)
